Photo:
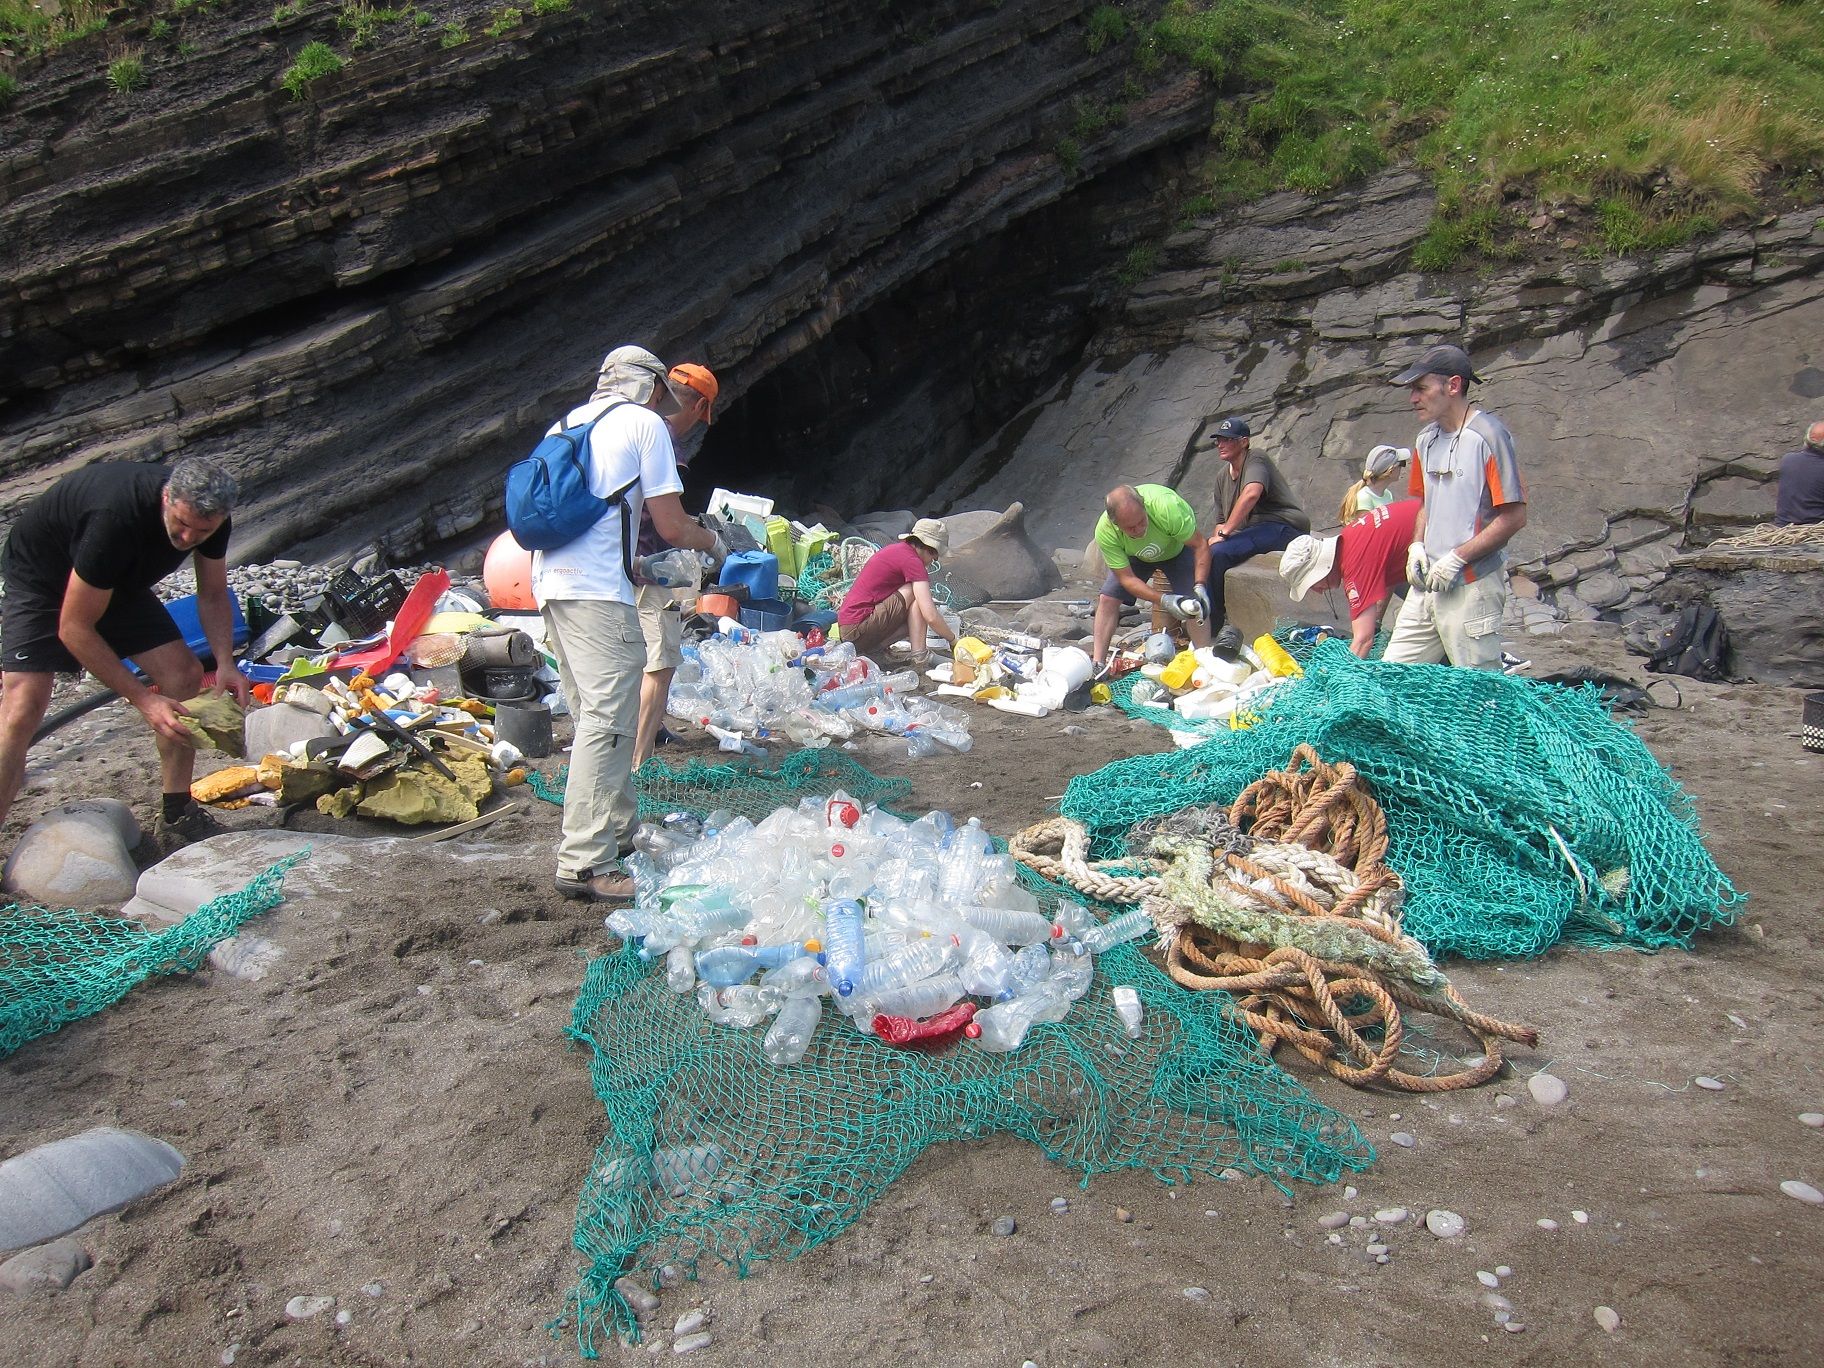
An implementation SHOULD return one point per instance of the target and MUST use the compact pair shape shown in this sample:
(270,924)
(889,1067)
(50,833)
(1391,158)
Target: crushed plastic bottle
(791,1031)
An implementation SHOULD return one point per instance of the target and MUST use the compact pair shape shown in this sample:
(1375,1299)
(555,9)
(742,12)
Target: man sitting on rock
(1146,528)
(1465,470)
(892,595)
(1368,558)
(1255,510)
(1801,498)
(80,566)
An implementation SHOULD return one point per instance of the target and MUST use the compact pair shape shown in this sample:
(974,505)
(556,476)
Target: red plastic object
(419,607)
(897,1030)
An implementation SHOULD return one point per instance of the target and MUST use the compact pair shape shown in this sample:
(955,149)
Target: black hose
(64,716)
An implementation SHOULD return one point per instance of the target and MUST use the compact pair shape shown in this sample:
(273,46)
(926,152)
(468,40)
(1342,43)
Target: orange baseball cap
(700,379)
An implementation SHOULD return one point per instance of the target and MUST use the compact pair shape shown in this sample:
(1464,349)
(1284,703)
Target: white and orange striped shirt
(1463,477)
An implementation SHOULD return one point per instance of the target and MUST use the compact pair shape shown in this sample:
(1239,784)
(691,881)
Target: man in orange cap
(660,621)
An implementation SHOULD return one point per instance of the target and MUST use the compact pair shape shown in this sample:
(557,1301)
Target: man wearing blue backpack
(584,588)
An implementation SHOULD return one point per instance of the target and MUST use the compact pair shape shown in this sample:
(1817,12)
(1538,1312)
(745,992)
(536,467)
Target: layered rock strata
(368,301)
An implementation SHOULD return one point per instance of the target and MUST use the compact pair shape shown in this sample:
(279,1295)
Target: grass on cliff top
(1663,116)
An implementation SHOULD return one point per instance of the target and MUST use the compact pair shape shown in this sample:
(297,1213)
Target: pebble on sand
(1403,1139)
(1392,1215)
(1581,1217)
(303,1308)
(1197,1294)
(1333,1220)
(691,1343)
(1546,1223)
(689,1323)
(1446,1225)
(1607,1318)
(1060,1205)
(1503,1271)
(1805,1192)
(1812,1119)
(1003,1225)
(1123,1214)
(1486,1278)
(1708,1084)
(1548,1090)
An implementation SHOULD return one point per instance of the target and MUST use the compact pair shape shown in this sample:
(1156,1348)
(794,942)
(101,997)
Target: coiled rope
(1296,916)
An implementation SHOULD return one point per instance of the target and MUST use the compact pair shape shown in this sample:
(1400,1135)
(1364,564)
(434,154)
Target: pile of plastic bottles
(913,931)
(746,687)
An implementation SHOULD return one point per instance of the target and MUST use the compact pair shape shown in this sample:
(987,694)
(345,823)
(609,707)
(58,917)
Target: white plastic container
(1214,704)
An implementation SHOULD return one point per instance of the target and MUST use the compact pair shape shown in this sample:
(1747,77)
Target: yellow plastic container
(1177,675)
(780,542)
(967,660)
(1274,657)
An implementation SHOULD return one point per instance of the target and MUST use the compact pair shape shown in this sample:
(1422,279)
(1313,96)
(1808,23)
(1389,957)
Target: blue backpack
(549,503)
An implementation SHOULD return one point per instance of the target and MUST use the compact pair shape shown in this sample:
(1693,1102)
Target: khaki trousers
(601,654)
(1460,625)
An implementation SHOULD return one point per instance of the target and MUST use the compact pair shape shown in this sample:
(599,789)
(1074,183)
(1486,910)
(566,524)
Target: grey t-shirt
(1275,504)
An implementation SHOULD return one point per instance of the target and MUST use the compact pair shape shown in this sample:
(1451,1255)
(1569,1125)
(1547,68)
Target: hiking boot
(614,886)
(1227,642)
(196,824)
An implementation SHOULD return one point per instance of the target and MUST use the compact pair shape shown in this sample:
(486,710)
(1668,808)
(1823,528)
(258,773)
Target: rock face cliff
(1650,398)
(367,302)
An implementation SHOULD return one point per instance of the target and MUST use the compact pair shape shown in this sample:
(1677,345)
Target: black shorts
(135,621)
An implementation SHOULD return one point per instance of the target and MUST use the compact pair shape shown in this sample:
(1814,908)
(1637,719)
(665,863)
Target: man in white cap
(1368,558)
(891,597)
(585,591)
(1466,473)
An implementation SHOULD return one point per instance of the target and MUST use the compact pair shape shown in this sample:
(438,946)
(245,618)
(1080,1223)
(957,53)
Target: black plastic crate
(363,607)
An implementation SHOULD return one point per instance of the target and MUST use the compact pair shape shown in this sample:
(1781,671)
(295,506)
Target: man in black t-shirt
(79,568)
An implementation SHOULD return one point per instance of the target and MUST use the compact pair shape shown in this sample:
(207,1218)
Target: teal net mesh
(747,788)
(1519,813)
(60,966)
(713,1157)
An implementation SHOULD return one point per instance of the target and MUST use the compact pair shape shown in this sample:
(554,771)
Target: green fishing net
(747,788)
(714,1157)
(60,966)
(1519,813)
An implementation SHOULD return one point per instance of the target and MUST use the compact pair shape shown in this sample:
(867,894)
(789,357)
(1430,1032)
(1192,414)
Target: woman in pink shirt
(891,597)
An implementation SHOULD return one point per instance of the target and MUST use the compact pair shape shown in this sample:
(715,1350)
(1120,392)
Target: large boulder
(76,855)
(53,1189)
(1000,558)
(1772,601)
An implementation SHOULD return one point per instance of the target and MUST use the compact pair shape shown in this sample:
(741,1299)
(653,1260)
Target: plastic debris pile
(60,966)
(393,749)
(1019,673)
(1202,693)
(746,688)
(1519,813)
(760,1119)
(887,920)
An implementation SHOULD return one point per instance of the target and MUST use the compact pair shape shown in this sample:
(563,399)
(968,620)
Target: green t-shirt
(1169,524)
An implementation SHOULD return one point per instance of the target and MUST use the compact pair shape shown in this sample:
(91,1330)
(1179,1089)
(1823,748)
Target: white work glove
(718,551)
(1446,572)
(1418,565)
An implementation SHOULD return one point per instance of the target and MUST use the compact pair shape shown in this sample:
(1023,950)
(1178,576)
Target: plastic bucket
(524,726)
(766,614)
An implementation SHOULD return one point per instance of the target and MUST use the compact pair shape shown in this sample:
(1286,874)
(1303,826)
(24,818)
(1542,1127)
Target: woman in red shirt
(891,596)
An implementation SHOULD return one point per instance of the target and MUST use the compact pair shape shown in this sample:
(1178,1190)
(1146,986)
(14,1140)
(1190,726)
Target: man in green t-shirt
(1146,528)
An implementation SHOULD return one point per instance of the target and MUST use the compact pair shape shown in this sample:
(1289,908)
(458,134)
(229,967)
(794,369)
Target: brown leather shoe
(611,887)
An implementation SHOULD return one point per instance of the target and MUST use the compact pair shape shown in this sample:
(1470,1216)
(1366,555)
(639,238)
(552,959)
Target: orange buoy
(507,573)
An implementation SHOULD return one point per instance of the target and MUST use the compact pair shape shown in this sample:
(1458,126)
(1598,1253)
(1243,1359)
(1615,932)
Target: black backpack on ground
(1696,645)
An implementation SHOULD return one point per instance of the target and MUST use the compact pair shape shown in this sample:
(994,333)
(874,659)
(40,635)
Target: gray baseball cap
(1443,359)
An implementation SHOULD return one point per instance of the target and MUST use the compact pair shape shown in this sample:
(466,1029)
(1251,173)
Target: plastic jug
(1177,675)
(1274,657)
(757,570)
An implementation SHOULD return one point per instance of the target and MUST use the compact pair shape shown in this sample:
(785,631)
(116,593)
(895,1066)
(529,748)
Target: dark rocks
(1001,557)
(1772,602)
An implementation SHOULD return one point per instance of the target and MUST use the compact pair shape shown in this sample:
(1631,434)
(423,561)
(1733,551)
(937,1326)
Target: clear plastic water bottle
(908,964)
(727,965)
(844,945)
(677,568)
(987,968)
(800,977)
(1116,931)
(1004,1025)
(791,1031)
(1127,1006)
(1031,967)
(921,999)
(1010,927)
(680,969)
